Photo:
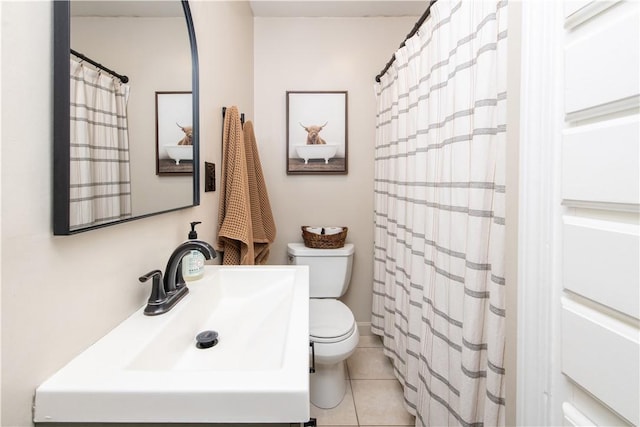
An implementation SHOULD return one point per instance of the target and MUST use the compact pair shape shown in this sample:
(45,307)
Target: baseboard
(364,328)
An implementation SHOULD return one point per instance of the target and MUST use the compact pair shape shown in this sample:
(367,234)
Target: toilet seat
(329,320)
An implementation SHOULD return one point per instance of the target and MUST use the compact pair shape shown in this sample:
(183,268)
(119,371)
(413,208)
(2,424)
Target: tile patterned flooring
(374,395)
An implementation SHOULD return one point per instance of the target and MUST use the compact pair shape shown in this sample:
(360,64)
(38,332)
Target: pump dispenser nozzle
(193,234)
(193,262)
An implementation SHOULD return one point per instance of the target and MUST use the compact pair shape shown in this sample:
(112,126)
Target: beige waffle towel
(264,228)
(245,223)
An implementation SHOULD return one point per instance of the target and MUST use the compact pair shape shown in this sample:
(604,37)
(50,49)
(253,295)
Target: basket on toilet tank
(324,237)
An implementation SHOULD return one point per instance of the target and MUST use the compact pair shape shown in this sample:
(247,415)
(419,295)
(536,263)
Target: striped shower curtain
(100,183)
(439,209)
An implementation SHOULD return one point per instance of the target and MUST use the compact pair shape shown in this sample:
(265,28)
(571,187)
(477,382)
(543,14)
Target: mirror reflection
(120,136)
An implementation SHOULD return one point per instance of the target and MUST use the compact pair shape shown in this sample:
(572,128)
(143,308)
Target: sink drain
(206,339)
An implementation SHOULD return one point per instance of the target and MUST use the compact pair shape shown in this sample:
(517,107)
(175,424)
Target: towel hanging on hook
(246,228)
(224,111)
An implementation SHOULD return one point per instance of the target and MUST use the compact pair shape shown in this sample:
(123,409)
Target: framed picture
(317,132)
(174,145)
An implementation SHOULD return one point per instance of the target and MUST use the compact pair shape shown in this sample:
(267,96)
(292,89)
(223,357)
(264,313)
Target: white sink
(148,369)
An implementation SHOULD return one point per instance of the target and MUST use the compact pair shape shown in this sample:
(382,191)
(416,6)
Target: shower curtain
(100,183)
(439,215)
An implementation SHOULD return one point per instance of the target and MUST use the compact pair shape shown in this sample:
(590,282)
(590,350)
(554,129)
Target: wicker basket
(323,241)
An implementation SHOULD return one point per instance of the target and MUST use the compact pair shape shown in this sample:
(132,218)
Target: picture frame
(317,133)
(174,119)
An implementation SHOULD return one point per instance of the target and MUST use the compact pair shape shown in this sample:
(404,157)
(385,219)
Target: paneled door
(579,244)
(600,192)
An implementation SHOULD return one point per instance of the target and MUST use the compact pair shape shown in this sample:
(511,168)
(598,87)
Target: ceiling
(337,8)
(260,8)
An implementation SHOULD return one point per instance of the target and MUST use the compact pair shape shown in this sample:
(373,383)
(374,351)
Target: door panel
(600,354)
(600,161)
(598,286)
(592,269)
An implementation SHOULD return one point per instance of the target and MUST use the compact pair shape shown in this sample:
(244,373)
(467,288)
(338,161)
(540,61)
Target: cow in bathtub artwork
(316,146)
(313,134)
(174,133)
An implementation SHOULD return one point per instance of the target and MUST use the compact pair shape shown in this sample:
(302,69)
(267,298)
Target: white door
(586,264)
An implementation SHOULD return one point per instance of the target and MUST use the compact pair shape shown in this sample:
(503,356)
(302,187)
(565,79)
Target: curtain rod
(415,29)
(123,78)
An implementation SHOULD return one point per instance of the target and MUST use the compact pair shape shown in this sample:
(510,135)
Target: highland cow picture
(174,133)
(316,132)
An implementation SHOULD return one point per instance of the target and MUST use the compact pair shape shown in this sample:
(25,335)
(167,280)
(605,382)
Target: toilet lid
(329,320)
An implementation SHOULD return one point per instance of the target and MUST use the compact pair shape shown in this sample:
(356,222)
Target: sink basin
(149,369)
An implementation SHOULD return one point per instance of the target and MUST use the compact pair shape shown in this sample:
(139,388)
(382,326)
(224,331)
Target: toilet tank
(329,269)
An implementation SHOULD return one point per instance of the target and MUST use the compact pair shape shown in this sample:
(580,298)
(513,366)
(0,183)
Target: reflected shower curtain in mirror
(439,188)
(100,183)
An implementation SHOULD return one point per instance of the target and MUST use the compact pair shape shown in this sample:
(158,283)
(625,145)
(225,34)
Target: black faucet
(166,293)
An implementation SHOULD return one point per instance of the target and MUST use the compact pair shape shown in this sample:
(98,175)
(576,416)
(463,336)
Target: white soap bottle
(193,262)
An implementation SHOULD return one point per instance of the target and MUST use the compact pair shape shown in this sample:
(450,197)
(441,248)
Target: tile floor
(374,395)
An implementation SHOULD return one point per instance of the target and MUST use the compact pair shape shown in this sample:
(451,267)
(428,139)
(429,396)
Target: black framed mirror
(99,39)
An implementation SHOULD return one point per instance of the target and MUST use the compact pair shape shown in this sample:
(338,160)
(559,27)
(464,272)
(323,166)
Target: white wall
(1,60)
(319,54)
(60,294)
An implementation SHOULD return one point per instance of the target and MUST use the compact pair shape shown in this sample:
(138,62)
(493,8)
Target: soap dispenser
(193,262)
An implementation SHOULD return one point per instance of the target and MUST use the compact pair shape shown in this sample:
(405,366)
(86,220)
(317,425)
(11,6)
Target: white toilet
(332,327)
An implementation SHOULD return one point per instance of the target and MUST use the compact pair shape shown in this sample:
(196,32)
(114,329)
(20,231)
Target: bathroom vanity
(152,369)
